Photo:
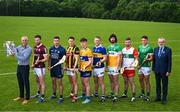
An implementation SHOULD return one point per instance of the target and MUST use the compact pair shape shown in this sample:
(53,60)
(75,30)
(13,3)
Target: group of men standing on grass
(114,60)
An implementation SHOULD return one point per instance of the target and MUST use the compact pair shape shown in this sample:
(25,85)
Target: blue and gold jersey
(56,54)
(98,53)
(85,54)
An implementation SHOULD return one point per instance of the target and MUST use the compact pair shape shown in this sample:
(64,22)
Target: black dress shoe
(164,102)
(157,100)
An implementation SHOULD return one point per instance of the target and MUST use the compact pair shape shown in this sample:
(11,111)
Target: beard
(160,45)
(112,42)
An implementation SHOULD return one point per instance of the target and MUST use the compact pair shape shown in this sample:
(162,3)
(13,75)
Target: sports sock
(42,95)
(142,91)
(148,94)
(88,97)
(133,94)
(54,93)
(83,94)
(125,92)
(61,96)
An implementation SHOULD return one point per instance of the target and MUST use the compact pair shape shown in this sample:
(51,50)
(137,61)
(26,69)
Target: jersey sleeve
(64,52)
(119,49)
(77,51)
(135,53)
(50,51)
(89,53)
(107,50)
(151,50)
(138,48)
(44,50)
(104,51)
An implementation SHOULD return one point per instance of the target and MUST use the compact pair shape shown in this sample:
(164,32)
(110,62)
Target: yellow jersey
(85,54)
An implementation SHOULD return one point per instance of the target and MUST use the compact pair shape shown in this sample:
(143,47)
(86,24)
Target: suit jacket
(162,64)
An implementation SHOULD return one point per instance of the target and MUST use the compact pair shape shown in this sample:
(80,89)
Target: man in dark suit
(162,62)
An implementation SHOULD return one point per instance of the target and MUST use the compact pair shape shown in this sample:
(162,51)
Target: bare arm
(76,60)
(89,62)
(45,58)
(120,60)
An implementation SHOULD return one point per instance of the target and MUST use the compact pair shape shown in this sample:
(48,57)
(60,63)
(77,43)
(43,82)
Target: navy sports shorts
(57,73)
(85,74)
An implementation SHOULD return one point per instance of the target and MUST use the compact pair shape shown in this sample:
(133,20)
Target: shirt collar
(25,46)
(39,45)
(98,46)
(145,45)
(161,47)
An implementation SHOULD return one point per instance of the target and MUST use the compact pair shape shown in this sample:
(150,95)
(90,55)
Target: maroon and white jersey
(39,51)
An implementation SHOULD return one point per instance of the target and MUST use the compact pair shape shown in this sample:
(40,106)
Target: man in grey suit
(162,62)
(22,53)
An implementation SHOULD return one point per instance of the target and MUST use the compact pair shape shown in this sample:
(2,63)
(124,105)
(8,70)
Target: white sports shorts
(39,71)
(144,70)
(70,73)
(113,71)
(99,72)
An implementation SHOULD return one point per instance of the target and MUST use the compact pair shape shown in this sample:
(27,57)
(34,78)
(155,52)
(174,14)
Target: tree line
(144,10)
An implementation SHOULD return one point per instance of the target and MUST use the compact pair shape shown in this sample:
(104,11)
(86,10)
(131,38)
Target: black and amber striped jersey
(70,59)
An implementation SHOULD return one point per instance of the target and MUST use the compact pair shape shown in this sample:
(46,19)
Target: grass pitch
(12,28)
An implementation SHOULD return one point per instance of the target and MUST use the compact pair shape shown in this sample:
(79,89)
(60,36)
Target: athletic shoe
(132,99)
(35,96)
(147,98)
(111,95)
(124,95)
(142,96)
(53,97)
(86,101)
(81,97)
(60,100)
(115,99)
(71,95)
(95,94)
(102,99)
(41,100)
(74,99)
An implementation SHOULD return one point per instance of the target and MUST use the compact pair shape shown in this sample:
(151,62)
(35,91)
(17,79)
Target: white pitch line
(2,50)
(8,73)
(176,55)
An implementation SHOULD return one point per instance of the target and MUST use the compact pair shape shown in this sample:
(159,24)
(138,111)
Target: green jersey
(113,51)
(143,52)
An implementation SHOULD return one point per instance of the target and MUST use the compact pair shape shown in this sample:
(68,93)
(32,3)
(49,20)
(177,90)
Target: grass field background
(12,28)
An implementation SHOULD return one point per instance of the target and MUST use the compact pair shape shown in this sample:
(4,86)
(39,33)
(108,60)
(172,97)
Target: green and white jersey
(143,51)
(113,52)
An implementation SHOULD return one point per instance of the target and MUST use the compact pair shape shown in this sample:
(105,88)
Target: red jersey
(39,51)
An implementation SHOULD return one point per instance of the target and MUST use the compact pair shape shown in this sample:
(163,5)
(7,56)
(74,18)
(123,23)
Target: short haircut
(83,40)
(98,37)
(113,35)
(71,37)
(128,38)
(162,38)
(56,37)
(24,37)
(144,37)
(38,36)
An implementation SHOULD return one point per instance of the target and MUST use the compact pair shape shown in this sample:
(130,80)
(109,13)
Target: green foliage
(145,10)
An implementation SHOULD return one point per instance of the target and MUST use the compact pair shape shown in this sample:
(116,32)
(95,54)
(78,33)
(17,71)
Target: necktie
(159,53)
